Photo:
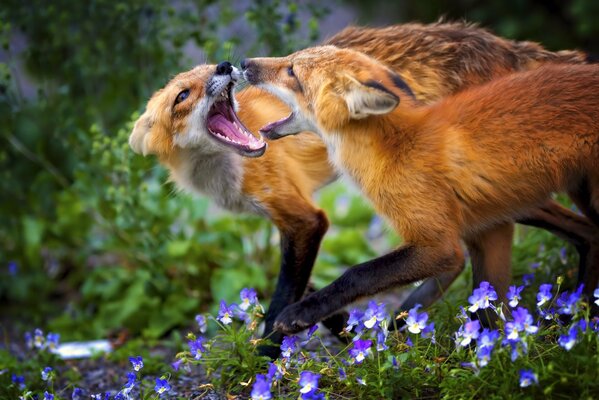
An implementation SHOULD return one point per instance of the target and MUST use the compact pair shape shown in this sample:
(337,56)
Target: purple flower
(595,324)
(394,362)
(522,322)
(374,314)
(38,339)
(409,342)
(196,347)
(202,323)
(361,381)
(544,294)
(52,340)
(535,265)
(354,320)
(162,386)
(13,268)
(275,373)
(311,331)
(360,350)
(563,256)
(467,332)
(46,374)
(308,382)
(28,340)
(289,346)
(513,295)
(527,378)
(481,298)
(596,294)
(429,332)
(248,298)
(514,346)
(381,338)
(19,380)
(487,338)
(131,380)
(569,340)
(342,374)
(177,364)
(137,363)
(225,313)
(416,322)
(567,303)
(527,279)
(483,355)
(261,388)
(78,394)
(48,396)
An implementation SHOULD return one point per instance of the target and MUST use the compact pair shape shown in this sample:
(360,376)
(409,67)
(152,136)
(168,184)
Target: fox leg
(302,227)
(408,264)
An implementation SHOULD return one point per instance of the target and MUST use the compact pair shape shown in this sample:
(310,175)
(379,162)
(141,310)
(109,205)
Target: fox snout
(250,71)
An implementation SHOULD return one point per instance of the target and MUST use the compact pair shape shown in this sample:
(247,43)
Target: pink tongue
(218,123)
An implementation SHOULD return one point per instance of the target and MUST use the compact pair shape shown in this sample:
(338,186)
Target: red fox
(438,173)
(436,60)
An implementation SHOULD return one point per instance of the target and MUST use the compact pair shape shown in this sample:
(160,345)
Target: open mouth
(269,131)
(224,125)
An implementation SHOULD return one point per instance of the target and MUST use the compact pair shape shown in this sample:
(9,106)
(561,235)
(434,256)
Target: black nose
(244,63)
(224,68)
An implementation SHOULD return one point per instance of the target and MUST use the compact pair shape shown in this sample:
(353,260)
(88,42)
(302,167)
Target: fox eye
(182,96)
(290,71)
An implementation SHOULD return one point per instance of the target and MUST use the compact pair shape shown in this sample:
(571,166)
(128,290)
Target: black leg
(298,254)
(405,265)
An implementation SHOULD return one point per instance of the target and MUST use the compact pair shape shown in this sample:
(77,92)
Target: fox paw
(293,319)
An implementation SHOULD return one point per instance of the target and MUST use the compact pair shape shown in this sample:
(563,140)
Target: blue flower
(544,294)
(361,381)
(261,388)
(13,268)
(487,338)
(481,298)
(38,339)
(483,355)
(308,382)
(78,394)
(48,396)
(177,364)
(394,362)
(567,303)
(354,320)
(342,374)
(248,298)
(569,340)
(416,322)
(513,295)
(202,323)
(289,346)
(46,373)
(360,350)
(131,379)
(275,372)
(515,345)
(409,342)
(19,380)
(162,386)
(563,256)
(311,331)
(467,332)
(136,362)
(527,378)
(52,340)
(523,321)
(429,332)
(225,313)
(381,338)
(374,314)
(596,294)
(28,340)
(196,347)
(527,279)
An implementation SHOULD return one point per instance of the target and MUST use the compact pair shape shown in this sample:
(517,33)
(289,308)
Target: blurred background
(92,237)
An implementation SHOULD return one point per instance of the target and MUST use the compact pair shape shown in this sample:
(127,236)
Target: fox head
(196,109)
(325,87)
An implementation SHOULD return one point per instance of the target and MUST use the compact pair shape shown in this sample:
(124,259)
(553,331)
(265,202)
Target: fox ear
(139,136)
(369,98)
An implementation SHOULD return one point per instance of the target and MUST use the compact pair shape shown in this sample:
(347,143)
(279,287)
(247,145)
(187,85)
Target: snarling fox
(439,173)
(183,124)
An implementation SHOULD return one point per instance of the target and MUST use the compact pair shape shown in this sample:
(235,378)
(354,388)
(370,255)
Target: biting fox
(436,60)
(442,172)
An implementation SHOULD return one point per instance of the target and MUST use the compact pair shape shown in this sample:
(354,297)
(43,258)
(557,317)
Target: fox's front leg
(302,230)
(408,264)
